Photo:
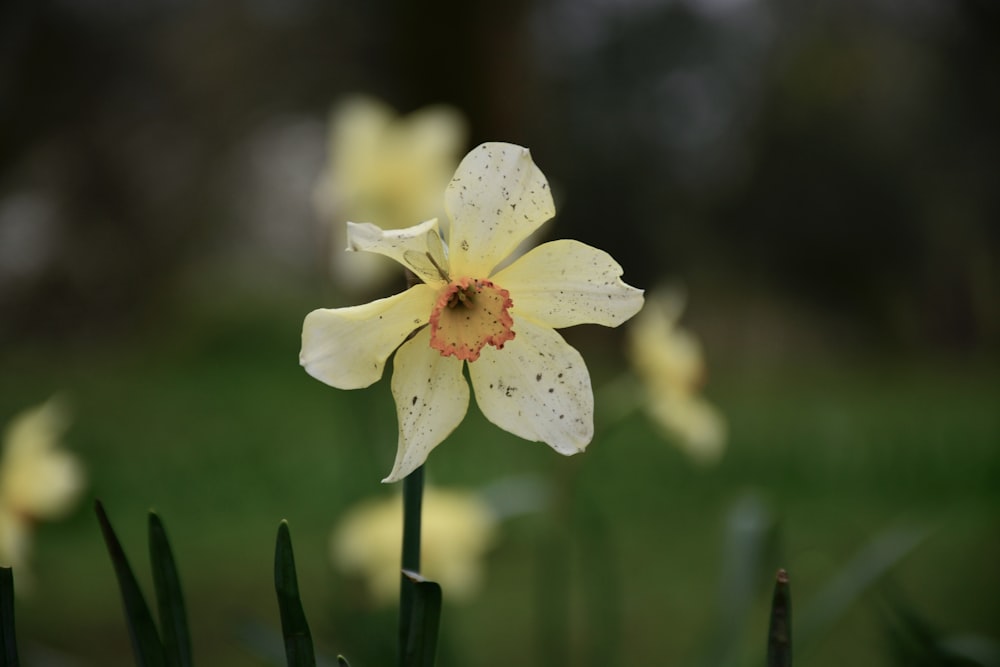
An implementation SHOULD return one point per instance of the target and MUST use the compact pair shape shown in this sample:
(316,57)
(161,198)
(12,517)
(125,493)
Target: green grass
(208,419)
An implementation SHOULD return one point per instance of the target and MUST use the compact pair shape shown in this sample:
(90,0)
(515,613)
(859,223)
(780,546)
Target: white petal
(347,347)
(537,387)
(565,283)
(432,398)
(412,247)
(496,199)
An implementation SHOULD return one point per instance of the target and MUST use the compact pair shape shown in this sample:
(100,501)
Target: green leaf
(914,642)
(169,598)
(8,638)
(749,554)
(342,661)
(779,635)
(298,641)
(142,631)
(865,569)
(425,621)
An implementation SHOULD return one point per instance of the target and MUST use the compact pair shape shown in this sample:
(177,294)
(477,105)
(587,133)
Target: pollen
(469,314)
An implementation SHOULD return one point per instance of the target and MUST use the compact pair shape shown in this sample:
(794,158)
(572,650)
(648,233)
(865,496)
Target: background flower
(384,168)
(668,360)
(38,479)
(458,529)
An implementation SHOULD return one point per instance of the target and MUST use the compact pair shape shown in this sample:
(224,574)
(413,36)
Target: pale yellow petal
(565,283)
(696,426)
(537,387)
(495,200)
(15,539)
(432,398)
(418,248)
(660,351)
(36,429)
(386,168)
(357,125)
(37,478)
(366,543)
(458,529)
(46,486)
(347,347)
(438,132)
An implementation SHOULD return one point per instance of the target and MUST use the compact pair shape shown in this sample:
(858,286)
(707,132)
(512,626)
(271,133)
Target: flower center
(470,313)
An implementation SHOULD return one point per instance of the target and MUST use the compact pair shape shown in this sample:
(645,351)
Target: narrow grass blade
(8,638)
(142,631)
(425,621)
(914,642)
(294,627)
(865,569)
(911,640)
(779,635)
(749,556)
(169,597)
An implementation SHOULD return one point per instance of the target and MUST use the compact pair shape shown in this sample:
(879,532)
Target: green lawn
(209,420)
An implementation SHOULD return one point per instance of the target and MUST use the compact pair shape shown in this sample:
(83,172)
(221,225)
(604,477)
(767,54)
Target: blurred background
(821,178)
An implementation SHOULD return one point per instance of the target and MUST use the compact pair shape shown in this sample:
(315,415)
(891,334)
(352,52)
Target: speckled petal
(412,247)
(537,387)
(496,199)
(347,347)
(565,283)
(432,398)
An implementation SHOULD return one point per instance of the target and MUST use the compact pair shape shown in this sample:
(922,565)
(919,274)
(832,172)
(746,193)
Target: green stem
(413,494)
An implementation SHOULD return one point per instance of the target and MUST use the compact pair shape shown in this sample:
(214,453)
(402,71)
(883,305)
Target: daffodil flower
(464,311)
(38,480)
(458,528)
(669,361)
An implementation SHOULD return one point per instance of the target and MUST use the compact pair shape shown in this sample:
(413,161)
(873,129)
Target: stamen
(441,272)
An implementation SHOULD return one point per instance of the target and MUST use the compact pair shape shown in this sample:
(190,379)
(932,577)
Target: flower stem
(413,493)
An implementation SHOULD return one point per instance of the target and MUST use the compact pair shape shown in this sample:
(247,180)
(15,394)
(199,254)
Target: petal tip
(359,233)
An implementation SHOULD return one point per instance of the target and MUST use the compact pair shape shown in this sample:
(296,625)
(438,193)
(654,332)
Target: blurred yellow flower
(458,528)
(527,379)
(387,168)
(668,360)
(37,479)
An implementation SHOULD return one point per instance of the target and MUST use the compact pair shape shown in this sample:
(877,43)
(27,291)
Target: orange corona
(468,314)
